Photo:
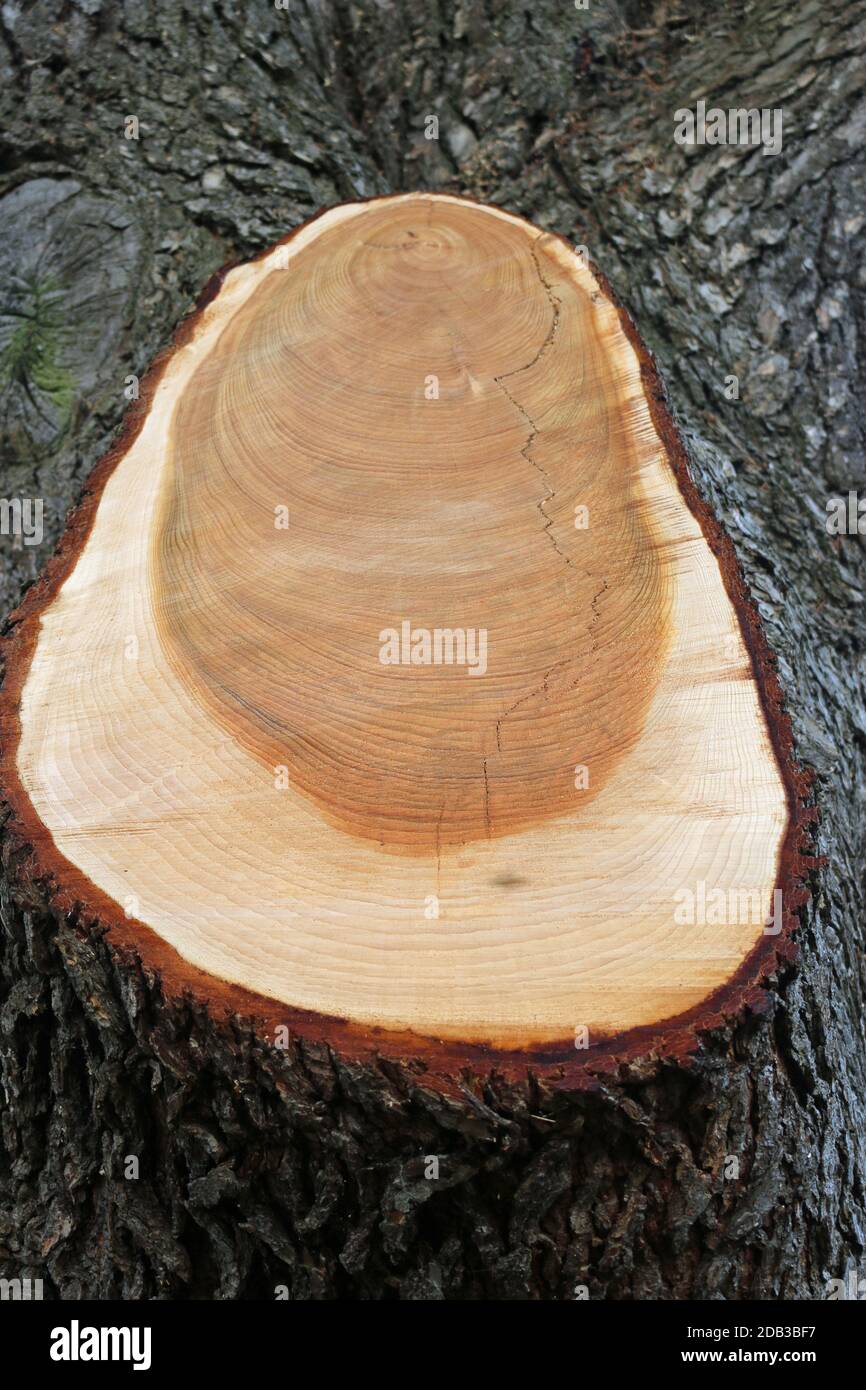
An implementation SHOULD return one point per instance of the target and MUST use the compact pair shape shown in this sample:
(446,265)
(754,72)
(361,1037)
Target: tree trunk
(153,1146)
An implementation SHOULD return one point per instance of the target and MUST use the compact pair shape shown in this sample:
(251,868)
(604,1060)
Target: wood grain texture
(571,810)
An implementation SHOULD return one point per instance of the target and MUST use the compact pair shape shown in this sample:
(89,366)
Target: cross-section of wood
(393,672)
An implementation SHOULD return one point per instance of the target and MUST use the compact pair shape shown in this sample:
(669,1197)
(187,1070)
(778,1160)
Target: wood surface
(395,679)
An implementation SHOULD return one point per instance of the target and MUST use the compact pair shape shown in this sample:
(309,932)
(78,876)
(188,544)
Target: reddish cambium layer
(39,869)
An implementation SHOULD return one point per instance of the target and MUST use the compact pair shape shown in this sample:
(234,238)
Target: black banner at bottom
(65,1338)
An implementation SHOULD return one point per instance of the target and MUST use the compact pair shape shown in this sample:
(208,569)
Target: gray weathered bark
(261,1169)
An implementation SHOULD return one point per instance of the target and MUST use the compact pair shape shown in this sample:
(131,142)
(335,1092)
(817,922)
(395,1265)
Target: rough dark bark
(261,1168)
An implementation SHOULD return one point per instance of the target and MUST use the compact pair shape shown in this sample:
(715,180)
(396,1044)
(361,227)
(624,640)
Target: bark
(260,1168)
